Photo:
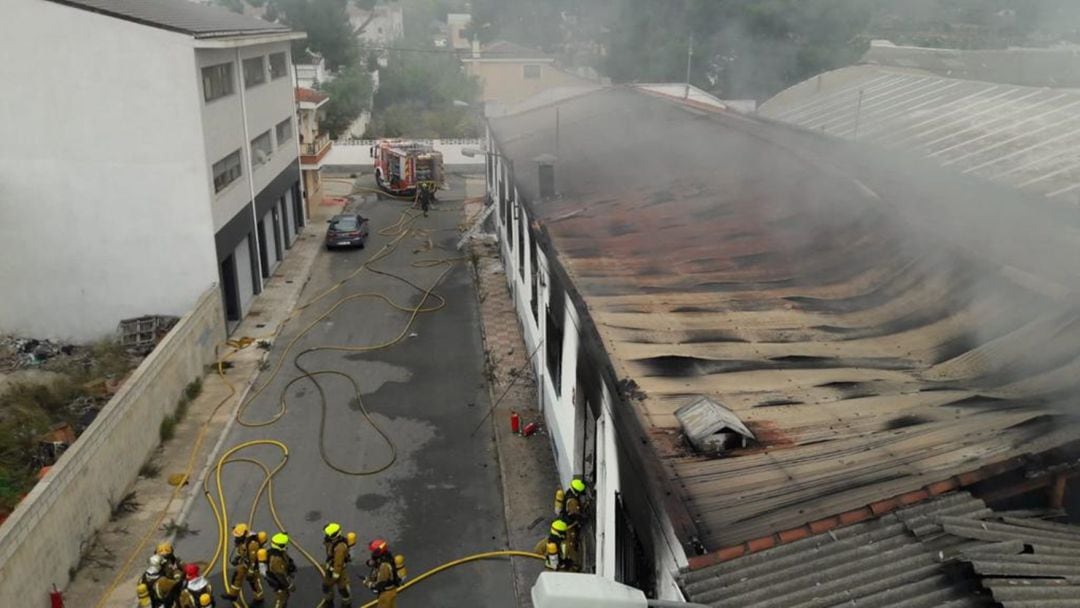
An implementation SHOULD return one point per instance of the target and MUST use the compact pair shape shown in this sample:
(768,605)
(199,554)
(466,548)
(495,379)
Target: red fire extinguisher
(529,429)
(515,423)
(56,598)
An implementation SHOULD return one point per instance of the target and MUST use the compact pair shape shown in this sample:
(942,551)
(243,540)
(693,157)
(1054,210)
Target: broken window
(227,171)
(556,313)
(261,148)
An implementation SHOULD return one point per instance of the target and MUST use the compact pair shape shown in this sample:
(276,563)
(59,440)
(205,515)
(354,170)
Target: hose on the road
(399,231)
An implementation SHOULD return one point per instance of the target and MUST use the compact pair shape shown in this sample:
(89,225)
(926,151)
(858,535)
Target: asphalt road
(441,499)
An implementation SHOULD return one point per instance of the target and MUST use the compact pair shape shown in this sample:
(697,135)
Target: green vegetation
(28,411)
(421,95)
(350,95)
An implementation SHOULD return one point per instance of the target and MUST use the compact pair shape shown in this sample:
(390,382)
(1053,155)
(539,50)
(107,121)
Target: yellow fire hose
(398,231)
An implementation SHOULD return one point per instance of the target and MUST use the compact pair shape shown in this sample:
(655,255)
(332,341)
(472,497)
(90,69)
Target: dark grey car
(347,230)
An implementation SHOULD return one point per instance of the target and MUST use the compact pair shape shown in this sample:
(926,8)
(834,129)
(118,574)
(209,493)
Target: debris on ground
(50,392)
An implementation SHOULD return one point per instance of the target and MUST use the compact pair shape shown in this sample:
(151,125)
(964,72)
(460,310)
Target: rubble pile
(22,353)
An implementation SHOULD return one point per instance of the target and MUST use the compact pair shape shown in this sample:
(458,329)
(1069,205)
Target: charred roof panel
(838,301)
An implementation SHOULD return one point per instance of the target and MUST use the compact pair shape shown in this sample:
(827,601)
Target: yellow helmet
(558,527)
(577,485)
(164,549)
(240,530)
(280,540)
(332,529)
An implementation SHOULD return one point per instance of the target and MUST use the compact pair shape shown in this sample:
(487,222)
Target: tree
(350,95)
(328,29)
(420,95)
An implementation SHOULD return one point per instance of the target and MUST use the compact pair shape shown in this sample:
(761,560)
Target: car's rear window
(344,224)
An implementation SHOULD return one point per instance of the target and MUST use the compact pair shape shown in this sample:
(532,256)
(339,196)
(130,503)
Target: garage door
(270,245)
(290,223)
(244,279)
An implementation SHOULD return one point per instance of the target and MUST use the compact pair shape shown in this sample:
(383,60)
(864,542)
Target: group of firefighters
(561,548)
(169,583)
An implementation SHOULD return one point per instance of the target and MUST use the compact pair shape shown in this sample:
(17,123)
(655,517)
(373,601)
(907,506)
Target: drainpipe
(250,168)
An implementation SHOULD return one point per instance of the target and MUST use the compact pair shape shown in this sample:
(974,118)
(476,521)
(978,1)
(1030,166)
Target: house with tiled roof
(509,73)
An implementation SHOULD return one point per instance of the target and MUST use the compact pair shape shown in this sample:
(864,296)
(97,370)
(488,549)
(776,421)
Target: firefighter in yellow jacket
(553,547)
(246,545)
(338,555)
(278,569)
(387,573)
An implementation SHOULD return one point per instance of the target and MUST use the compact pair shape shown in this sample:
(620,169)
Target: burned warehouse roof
(879,326)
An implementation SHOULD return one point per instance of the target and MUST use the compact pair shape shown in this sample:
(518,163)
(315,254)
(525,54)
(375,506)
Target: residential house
(314,143)
(157,159)
(379,26)
(510,73)
(309,70)
(748,333)
(457,25)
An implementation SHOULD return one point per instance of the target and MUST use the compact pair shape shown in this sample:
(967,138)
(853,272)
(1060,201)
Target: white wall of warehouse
(103,179)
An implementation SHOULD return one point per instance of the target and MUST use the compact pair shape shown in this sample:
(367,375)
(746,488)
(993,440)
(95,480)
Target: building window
(555,342)
(278,66)
(261,148)
(532,72)
(254,72)
(535,272)
(284,131)
(217,81)
(227,171)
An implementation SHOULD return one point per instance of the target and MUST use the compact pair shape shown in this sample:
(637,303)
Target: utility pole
(689,62)
(858,114)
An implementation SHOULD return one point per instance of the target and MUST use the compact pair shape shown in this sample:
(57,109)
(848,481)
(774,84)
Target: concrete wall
(41,540)
(503,80)
(357,152)
(103,182)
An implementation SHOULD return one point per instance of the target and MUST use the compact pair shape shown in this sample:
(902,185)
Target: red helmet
(191,571)
(377,547)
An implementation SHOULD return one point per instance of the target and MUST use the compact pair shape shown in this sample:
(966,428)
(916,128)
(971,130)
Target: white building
(457,25)
(379,26)
(149,153)
(309,70)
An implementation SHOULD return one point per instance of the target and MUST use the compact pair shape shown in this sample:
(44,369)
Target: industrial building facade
(660,250)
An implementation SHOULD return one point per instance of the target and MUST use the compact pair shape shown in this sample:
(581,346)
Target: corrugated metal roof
(814,289)
(1058,66)
(198,20)
(905,559)
(1026,138)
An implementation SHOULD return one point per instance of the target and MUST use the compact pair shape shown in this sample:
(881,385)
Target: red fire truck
(401,166)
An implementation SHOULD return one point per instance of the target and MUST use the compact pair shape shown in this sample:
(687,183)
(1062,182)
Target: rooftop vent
(546,165)
(711,427)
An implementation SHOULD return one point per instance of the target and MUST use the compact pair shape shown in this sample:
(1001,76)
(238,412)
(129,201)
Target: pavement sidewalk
(527,465)
(120,549)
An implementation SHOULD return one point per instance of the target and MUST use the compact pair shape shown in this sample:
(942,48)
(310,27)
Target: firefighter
(556,539)
(146,590)
(197,591)
(245,561)
(171,566)
(425,194)
(168,586)
(278,569)
(387,573)
(571,504)
(338,555)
